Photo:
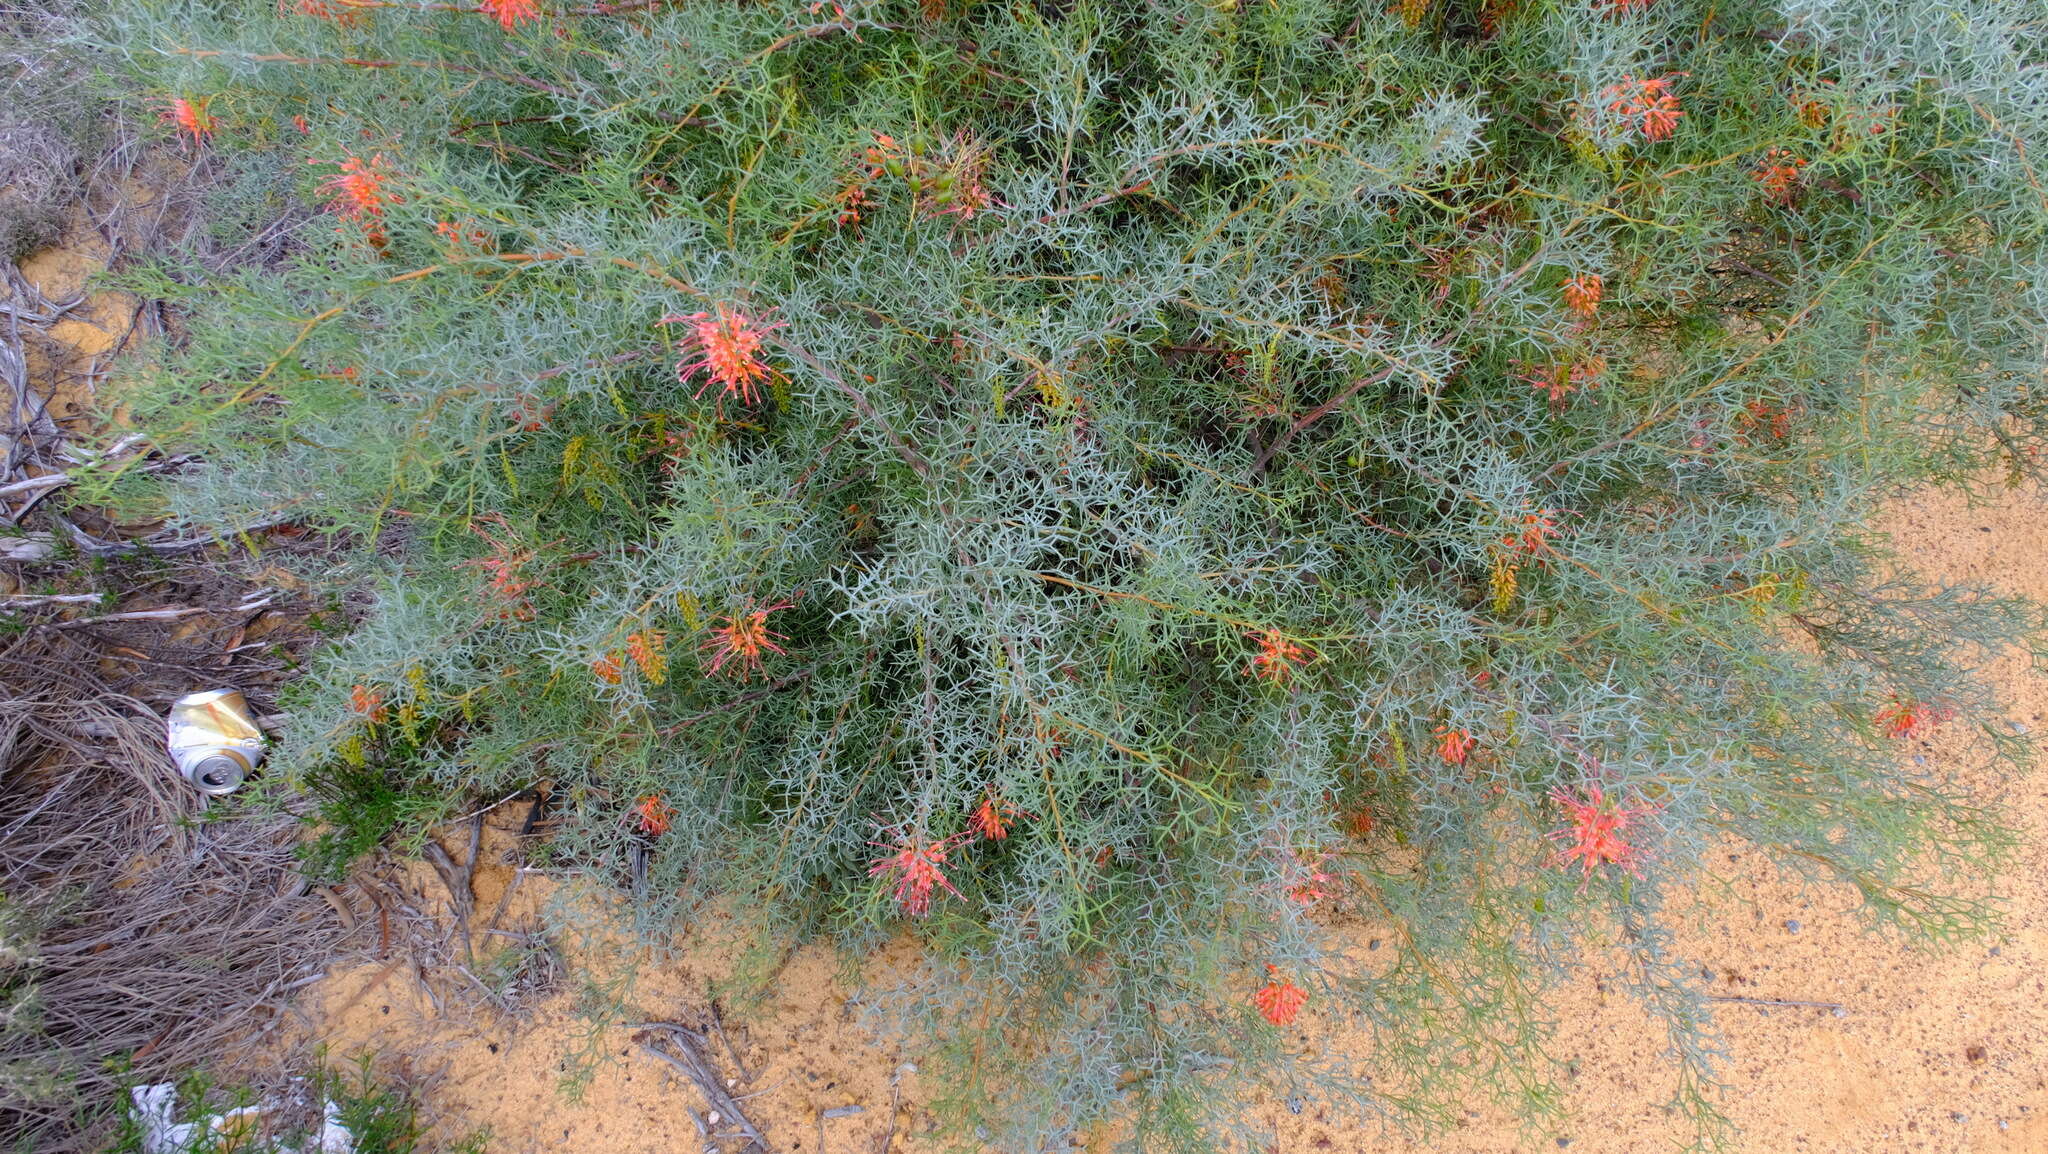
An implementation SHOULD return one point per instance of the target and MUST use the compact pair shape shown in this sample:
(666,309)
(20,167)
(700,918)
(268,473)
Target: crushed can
(213,740)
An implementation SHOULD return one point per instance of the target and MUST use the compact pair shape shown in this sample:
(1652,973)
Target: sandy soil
(81,343)
(1933,1049)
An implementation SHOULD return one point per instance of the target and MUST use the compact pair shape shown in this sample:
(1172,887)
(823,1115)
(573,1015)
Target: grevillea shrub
(1113,490)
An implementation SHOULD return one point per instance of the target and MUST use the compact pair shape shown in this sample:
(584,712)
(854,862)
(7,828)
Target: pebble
(1791,925)
(713,1117)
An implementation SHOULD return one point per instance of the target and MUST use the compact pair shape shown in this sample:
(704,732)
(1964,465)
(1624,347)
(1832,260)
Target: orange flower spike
(727,343)
(1778,173)
(608,669)
(1361,822)
(358,189)
(1582,294)
(189,115)
(1279,1000)
(1533,533)
(647,650)
(367,703)
(653,815)
(1311,882)
(993,818)
(340,11)
(917,868)
(1455,746)
(1904,719)
(510,14)
(742,641)
(1277,659)
(1595,836)
(1649,101)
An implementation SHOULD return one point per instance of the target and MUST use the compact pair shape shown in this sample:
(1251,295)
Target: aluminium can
(214,741)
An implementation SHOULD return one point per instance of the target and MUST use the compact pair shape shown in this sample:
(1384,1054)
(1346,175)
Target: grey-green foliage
(1238,352)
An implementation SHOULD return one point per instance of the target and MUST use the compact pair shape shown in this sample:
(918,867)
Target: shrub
(1100,487)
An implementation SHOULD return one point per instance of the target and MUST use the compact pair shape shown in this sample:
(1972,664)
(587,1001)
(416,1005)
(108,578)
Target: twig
(35,484)
(165,614)
(458,890)
(692,1064)
(718,1025)
(99,548)
(1317,414)
(895,1104)
(1773,1002)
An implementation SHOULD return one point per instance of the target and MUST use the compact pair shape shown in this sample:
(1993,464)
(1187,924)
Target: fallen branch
(168,613)
(35,484)
(693,1066)
(1773,1002)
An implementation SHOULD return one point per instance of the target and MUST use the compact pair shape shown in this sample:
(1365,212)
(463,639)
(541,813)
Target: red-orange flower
(368,703)
(1309,882)
(608,668)
(340,11)
(742,641)
(1277,658)
(647,649)
(530,414)
(653,815)
(1903,719)
(1648,102)
(360,194)
(189,114)
(727,343)
(1560,380)
(1279,1000)
(511,13)
(1761,416)
(916,865)
(993,818)
(1778,173)
(1454,745)
(1360,822)
(1582,294)
(1594,837)
(1533,532)
(506,568)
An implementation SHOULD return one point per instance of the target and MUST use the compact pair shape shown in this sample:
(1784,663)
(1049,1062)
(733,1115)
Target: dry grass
(165,936)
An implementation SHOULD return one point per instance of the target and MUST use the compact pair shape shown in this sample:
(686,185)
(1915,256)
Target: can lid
(217,774)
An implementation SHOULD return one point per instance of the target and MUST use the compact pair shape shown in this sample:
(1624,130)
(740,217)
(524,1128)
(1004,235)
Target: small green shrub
(1098,485)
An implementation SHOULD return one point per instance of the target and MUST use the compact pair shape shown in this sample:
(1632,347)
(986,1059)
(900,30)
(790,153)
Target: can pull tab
(213,740)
